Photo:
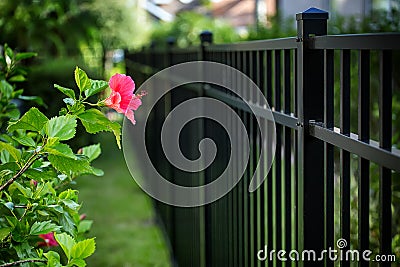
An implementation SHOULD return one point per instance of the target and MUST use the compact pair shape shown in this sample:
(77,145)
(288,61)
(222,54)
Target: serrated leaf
(32,120)
(92,151)
(66,242)
(116,129)
(94,121)
(82,80)
(66,91)
(62,127)
(67,165)
(25,140)
(14,153)
(24,55)
(53,259)
(96,87)
(43,228)
(83,249)
(60,149)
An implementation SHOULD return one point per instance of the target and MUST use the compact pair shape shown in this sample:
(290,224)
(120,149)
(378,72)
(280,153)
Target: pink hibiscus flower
(122,99)
(48,240)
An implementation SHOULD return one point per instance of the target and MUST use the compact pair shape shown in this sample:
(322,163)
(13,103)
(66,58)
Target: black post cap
(312,13)
(171,40)
(206,37)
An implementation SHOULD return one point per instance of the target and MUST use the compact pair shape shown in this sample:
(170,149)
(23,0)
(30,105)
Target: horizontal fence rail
(331,148)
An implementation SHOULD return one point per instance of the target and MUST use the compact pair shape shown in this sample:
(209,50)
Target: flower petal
(130,115)
(135,103)
(113,101)
(122,84)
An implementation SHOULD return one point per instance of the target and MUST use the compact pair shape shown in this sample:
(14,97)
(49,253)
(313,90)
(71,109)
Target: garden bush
(40,222)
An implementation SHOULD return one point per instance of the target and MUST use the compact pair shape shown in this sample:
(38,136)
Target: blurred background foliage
(186,28)
(66,33)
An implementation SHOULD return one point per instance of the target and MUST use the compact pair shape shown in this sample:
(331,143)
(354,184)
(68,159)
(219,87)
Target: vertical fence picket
(329,151)
(345,155)
(363,135)
(385,142)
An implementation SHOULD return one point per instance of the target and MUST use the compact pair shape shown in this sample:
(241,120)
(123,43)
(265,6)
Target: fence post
(206,38)
(310,107)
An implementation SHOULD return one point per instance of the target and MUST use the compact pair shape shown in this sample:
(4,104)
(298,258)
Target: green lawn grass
(124,219)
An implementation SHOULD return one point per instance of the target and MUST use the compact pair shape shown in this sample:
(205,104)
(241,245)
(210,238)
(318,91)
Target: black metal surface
(345,79)
(385,142)
(377,41)
(310,106)
(363,136)
(329,151)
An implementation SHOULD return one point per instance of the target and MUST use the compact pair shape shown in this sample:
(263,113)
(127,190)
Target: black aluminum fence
(322,163)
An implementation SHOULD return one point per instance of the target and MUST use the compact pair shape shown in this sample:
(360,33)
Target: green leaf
(96,87)
(26,191)
(9,205)
(67,165)
(66,91)
(69,101)
(6,89)
(92,151)
(9,52)
(94,121)
(97,172)
(53,259)
(83,249)
(25,55)
(77,262)
(25,140)
(84,226)
(82,80)
(76,108)
(67,223)
(62,127)
(66,242)
(4,232)
(15,153)
(43,228)
(60,149)
(71,204)
(17,78)
(116,129)
(33,120)
(37,99)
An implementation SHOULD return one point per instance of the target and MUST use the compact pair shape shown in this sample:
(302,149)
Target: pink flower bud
(33,183)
